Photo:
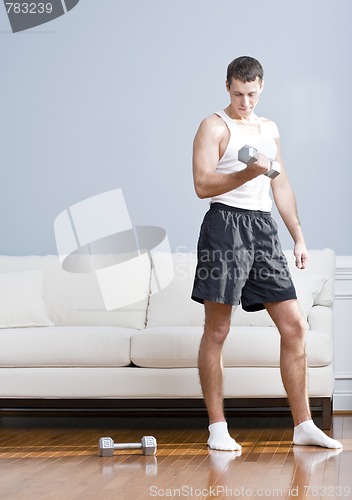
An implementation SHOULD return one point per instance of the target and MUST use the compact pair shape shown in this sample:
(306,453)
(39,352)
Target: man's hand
(261,166)
(301,255)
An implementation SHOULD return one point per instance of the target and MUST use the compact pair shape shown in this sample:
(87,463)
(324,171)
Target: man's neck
(250,119)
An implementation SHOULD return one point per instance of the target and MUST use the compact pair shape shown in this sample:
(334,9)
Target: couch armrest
(320,319)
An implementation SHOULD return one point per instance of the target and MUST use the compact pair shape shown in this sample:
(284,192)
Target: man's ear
(227,86)
(261,87)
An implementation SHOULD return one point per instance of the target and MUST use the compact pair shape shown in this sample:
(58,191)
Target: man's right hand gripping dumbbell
(250,155)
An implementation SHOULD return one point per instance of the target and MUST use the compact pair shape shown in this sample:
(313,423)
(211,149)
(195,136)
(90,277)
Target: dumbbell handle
(128,446)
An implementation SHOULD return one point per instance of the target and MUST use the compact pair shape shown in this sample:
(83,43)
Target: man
(239,254)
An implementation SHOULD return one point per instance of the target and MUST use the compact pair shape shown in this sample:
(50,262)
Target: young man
(239,254)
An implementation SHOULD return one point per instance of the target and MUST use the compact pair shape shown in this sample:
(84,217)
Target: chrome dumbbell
(107,446)
(249,155)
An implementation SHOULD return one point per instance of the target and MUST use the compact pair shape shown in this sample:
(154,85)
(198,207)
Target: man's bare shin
(217,325)
(294,376)
(211,378)
(293,361)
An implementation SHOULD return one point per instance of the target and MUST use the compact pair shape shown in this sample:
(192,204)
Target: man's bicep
(205,156)
(205,149)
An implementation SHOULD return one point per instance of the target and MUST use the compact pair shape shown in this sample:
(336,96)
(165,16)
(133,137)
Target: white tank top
(254,194)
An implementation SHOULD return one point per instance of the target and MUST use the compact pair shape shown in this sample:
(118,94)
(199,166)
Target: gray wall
(111,94)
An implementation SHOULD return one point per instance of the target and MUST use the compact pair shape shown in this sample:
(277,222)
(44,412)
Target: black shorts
(240,259)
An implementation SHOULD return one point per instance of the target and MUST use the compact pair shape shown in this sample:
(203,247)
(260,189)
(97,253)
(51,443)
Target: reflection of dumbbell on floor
(249,155)
(107,446)
(148,465)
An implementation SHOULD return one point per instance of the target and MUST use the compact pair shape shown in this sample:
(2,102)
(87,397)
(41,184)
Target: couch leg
(326,410)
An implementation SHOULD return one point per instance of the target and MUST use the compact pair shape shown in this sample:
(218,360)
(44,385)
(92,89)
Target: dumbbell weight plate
(274,170)
(248,155)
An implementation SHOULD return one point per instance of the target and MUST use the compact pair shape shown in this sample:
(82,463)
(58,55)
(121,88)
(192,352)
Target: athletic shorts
(240,259)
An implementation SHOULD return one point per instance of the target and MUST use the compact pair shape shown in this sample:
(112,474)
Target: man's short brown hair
(246,69)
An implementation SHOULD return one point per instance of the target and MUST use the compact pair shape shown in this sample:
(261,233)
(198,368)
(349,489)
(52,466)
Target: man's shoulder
(213,122)
(213,119)
(270,126)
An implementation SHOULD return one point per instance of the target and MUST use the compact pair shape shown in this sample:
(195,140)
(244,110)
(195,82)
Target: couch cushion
(21,299)
(75,298)
(260,346)
(166,347)
(177,347)
(173,305)
(75,346)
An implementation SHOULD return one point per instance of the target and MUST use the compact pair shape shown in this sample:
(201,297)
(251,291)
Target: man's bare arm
(206,154)
(286,204)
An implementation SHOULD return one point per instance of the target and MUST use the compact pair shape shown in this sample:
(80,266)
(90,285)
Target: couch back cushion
(21,299)
(174,306)
(75,298)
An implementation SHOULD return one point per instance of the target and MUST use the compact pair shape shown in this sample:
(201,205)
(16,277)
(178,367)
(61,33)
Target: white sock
(220,439)
(307,433)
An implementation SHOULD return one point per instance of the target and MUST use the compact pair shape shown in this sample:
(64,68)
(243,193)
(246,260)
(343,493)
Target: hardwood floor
(55,457)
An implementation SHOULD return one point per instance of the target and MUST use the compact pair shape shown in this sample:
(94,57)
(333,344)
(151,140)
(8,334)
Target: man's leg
(217,325)
(293,363)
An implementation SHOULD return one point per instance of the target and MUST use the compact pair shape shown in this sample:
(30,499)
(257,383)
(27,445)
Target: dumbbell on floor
(107,446)
(249,155)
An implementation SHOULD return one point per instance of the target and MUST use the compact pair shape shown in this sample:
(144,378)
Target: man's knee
(217,322)
(296,326)
(293,336)
(289,320)
(217,333)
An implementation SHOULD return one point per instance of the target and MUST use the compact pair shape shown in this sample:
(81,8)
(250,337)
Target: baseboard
(343,391)
(342,401)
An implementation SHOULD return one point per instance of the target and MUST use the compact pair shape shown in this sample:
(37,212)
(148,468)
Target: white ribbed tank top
(254,194)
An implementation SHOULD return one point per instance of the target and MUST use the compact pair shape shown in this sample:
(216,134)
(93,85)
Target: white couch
(60,346)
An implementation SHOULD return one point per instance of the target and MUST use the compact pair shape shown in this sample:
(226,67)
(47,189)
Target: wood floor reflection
(56,458)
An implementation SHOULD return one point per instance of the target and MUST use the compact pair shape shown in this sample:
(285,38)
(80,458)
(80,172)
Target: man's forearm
(210,183)
(214,183)
(287,207)
(286,204)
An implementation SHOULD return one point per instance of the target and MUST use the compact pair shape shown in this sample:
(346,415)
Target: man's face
(244,96)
